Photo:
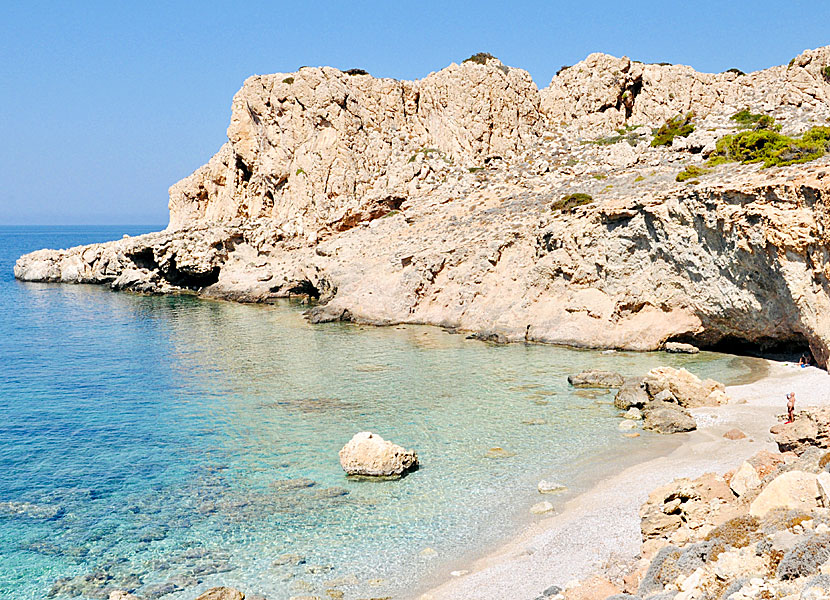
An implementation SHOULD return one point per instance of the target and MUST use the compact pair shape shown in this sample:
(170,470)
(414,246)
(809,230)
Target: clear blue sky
(105,104)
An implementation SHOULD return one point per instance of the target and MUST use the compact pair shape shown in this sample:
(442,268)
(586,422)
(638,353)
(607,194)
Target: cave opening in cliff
(790,347)
(304,288)
(190,280)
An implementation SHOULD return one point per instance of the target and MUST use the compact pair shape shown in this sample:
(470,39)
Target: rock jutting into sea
(369,455)
(626,205)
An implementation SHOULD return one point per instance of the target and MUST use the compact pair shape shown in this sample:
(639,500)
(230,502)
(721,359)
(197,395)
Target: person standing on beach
(790,406)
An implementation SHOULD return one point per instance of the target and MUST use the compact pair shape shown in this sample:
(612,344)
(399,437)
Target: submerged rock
(541,508)
(550,487)
(222,593)
(369,455)
(595,378)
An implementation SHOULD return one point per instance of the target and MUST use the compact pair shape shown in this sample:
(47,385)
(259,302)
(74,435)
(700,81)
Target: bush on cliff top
(826,72)
(771,148)
(356,72)
(572,201)
(480,58)
(679,126)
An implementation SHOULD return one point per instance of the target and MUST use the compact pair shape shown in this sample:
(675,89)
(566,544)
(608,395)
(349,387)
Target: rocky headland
(625,205)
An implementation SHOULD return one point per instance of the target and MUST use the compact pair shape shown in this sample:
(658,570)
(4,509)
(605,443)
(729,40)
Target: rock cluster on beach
(761,531)
(473,200)
(661,398)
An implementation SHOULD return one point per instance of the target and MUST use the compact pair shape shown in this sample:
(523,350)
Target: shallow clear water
(145,443)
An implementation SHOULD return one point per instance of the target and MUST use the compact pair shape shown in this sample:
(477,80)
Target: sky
(104,105)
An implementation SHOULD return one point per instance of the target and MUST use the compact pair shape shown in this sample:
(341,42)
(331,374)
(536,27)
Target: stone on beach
(369,455)
(627,425)
(734,434)
(595,378)
(633,413)
(665,417)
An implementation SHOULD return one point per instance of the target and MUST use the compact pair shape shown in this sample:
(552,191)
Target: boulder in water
(369,455)
(222,593)
(664,417)
(595,378)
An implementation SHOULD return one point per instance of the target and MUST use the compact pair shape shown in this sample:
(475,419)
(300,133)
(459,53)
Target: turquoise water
(167,445)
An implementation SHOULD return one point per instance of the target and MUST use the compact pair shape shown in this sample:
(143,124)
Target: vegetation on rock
(480,58)
(288,80)
(771,148)
(737,72)
(746,120)
(356,72)
(826,72)
(679,126)
(572,201)
(691,172)
(627,133)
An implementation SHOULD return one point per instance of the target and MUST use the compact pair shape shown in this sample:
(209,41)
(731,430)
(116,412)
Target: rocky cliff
(472,200)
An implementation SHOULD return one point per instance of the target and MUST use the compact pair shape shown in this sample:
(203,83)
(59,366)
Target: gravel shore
(601,527)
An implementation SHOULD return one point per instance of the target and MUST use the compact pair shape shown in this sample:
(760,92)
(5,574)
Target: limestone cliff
(438,201)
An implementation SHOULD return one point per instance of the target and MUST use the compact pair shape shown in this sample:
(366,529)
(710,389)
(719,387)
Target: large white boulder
(790,490)
(370,455)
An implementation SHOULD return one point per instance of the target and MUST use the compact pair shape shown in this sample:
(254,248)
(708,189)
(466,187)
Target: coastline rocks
(690,390)
(541,508)
(793,490)
(666,417)
(122,595)
(745,479)
(550,487)
(680,348)
(367,454)
(809,429)
(595,378)
(631,394)
(633,413)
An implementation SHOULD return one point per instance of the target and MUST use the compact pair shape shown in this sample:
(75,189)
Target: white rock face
(790,490)
(433,202)
(745,479)
(370,455)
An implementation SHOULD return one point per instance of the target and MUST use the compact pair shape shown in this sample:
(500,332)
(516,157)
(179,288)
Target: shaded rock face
(433,202)
(369,455)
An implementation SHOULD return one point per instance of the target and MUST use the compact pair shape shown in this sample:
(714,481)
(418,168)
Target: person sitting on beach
(804,361)
(790,406)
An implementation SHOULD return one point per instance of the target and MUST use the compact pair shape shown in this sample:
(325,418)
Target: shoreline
(601,526)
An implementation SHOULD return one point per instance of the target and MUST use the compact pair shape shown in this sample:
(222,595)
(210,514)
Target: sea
(166,445)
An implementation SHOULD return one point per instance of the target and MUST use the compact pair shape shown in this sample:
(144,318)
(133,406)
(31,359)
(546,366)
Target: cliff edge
(623,206)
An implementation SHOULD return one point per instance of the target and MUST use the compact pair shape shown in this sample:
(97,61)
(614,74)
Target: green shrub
(639,178)
(627,133)
(288,80)
(480,58)
(746,119)
(572,201)
(771,148)
(679,126)
(356,72)
(737,72)
(599,176)
(690,172)
(475,169)
(300,172)
(826,72)
(563,68)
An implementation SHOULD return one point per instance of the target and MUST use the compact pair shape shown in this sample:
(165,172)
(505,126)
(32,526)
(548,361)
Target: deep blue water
(168,444)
